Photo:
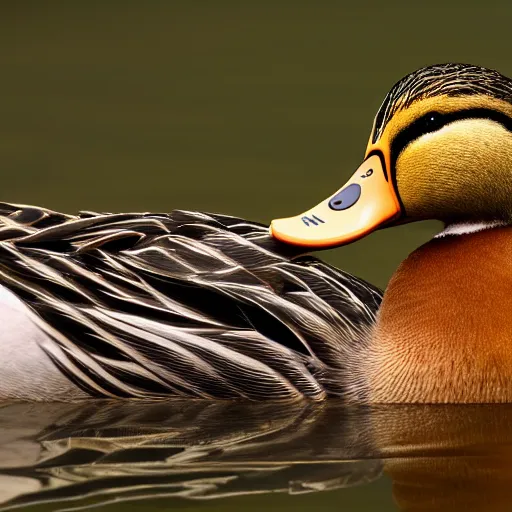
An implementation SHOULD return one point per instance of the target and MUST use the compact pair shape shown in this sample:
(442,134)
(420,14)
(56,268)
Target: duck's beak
(365,203)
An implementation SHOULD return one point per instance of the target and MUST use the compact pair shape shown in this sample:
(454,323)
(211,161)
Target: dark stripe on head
(434,121)
(441,79)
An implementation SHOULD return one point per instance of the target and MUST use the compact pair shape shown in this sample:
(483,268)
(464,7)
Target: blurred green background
(256,109)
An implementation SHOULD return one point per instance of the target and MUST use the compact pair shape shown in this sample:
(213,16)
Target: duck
(209,306)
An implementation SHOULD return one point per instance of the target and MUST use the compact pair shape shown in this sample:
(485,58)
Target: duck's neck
(444,331)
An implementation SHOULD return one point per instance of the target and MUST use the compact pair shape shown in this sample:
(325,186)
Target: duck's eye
(430,122)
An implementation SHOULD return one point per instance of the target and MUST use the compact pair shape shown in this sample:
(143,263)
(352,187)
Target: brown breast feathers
(444,332)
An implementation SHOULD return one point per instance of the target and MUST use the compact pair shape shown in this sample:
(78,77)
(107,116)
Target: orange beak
(365,203)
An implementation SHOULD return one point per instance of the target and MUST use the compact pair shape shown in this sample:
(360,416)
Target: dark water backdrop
(257,109)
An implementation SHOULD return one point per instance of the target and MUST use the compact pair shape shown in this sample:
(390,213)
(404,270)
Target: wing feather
(186,304)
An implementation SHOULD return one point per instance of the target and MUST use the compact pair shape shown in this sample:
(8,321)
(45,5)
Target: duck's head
(440,148)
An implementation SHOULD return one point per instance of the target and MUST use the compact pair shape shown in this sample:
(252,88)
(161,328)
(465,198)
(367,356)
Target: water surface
(230,456)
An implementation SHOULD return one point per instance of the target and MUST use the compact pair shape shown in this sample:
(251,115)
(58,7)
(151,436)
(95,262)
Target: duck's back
(187,304)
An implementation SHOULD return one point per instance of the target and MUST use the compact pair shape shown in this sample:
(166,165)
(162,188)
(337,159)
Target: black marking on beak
(346,197)
(312,221)
(378,152)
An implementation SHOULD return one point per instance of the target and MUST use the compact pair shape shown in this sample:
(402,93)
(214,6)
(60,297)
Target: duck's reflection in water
(447,457)
(105,452)
(74,456)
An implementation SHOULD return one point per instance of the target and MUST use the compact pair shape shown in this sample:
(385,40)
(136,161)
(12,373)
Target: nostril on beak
(346,198)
